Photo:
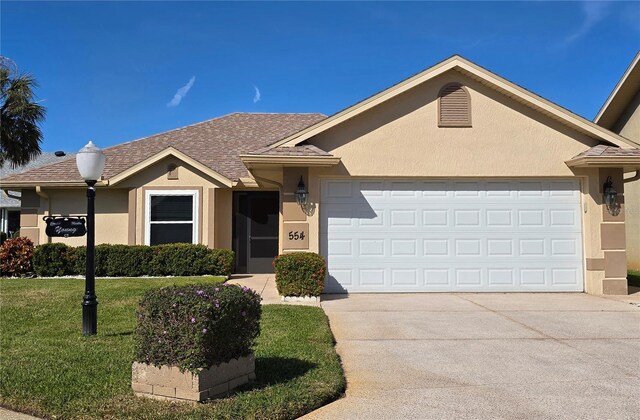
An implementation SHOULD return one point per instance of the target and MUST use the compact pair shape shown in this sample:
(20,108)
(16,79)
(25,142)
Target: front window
(171,217)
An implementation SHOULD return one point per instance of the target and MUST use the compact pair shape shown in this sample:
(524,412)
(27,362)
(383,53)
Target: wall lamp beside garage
(611,197)
(302,195)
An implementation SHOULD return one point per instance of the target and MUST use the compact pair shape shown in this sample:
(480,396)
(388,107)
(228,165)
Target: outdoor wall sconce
(301,194)
(611,197)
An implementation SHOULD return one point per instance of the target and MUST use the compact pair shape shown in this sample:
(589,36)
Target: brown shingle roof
(603,150)
(216,143)
(302,150)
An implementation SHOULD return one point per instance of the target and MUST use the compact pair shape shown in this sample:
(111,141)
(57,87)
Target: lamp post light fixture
(610,197)
(301,194)
(90,161)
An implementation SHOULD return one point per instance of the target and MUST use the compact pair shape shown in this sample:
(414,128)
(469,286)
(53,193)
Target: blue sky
(117,71)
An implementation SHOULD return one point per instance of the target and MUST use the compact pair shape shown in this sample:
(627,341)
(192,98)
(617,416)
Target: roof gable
(621,95)
(473,71)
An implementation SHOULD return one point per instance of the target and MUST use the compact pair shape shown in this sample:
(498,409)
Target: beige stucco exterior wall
(629,126)
(120,209)
(401,138)
(111,214)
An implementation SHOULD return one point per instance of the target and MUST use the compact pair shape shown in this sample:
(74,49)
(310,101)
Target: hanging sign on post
(65,226)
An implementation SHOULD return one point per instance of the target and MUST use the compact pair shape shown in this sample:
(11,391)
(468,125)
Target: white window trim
(147,211)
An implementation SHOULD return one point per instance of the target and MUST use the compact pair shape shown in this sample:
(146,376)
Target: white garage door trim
(475,235)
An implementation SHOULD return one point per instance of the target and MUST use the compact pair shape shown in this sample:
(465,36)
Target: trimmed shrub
(58,259)
(54,259)
(196,326)
(16,257)
(300,274)
(179,260)
(78,259)
(129,261)
(220,262)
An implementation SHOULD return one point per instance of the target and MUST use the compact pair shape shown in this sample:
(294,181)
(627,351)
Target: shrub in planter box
(196,326)
(16,257)
(195,342)
(53,259)
(300,274)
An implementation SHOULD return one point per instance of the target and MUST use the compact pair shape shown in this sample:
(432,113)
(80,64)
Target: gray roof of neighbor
(46,158)
(215,143)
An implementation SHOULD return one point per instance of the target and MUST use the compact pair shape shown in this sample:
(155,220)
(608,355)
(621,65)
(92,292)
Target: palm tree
(20,135)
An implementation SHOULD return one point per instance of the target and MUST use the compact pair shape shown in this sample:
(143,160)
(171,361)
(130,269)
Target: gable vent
(454,106)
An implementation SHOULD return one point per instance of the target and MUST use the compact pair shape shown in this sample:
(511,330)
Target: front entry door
(255,231)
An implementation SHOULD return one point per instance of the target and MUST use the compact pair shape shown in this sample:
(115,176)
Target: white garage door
(446,235)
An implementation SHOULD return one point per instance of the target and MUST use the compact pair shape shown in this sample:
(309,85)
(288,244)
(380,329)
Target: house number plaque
(296,236)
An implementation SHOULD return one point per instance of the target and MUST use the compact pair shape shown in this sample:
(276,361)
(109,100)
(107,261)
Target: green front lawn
(48,369)
(633,278)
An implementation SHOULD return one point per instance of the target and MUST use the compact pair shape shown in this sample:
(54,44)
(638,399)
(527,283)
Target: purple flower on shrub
(200,292)
(217,289)
(193,320)
(204,330)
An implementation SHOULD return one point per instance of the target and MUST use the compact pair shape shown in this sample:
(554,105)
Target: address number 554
(296,235)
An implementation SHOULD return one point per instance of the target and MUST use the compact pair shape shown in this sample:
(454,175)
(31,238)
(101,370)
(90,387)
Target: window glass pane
(168,208)
(170,233)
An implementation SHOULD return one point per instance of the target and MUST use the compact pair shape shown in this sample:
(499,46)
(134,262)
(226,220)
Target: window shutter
(454,106)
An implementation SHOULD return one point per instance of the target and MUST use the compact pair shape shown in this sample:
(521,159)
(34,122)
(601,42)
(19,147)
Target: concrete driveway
(471,356)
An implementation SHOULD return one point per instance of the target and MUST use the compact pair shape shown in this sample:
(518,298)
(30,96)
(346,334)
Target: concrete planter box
(168,383)
(300,298)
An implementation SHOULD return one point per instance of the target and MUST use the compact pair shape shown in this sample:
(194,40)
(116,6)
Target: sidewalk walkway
(12,415)
(265,285)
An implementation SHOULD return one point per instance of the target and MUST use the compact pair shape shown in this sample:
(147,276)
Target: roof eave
(602,118)
(628,163)
(252,161)
(48,184)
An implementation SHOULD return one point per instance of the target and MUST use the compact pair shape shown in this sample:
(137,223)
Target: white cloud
(593,12)
(257,96)
(181,93)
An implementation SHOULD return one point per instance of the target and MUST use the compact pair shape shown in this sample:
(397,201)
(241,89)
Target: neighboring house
(10,199)
(452,180)
(621,114)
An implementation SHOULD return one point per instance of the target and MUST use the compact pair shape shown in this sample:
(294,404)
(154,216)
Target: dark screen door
(256,231)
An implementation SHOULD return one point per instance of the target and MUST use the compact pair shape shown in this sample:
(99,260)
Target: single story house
(455,179)
(621,114)
(10,200)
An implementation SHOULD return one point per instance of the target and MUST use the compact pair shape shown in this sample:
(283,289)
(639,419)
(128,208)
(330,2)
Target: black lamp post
(90,161)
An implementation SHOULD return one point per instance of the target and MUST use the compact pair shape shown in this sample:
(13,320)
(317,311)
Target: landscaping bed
(48,369)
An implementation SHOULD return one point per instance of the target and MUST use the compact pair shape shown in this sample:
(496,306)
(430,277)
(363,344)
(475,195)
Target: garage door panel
(439,235)
(467,277)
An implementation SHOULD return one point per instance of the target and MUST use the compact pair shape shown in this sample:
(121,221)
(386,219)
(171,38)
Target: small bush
(196,326)
(129,261)
(220,262)
(78,259)
(16,257)
(54,259)
(300,274)
(179,260)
